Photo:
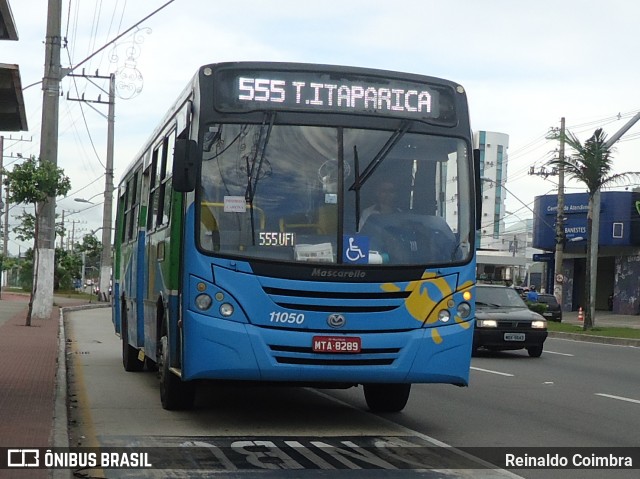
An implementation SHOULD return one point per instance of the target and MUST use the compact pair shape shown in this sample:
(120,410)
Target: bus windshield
(334,195)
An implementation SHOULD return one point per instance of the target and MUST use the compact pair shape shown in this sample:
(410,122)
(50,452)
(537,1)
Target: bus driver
(384,204)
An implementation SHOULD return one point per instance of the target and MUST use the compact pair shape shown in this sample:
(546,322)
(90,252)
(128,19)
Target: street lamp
(82,200)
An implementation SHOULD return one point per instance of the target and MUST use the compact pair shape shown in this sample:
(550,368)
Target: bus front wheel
(175,394)
(386,397)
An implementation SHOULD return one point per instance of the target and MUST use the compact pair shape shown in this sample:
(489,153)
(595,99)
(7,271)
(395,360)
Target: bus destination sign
(306,91)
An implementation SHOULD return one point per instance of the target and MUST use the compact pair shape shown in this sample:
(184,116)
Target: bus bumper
(220,349)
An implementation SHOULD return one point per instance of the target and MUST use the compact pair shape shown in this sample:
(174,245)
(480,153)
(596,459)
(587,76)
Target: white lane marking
(546,351)
(619,398)
(492,372)
(593,343)
(492,472)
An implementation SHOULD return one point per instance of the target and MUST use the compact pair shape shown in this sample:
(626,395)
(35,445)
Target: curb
(60,434)
(60,418)
(589,338)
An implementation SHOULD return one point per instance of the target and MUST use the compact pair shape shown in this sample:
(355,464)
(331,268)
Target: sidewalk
(602,319)
(29,359)
(605,318)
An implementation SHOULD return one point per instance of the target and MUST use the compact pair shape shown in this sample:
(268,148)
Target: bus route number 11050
(287,318)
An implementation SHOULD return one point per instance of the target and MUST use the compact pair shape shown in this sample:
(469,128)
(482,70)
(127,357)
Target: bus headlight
(203,302)
(226,309)
(464,310)
(444,315)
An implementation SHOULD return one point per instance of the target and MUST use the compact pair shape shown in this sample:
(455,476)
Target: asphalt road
(576,395)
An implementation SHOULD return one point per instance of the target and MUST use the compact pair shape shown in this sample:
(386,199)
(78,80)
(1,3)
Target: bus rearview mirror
(185,165)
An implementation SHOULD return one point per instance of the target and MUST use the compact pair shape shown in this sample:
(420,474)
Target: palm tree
(591,164)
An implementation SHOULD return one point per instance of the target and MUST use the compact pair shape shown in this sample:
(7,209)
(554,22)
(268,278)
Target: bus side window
(132,210)
(166,179)
(123,207)
(153,189)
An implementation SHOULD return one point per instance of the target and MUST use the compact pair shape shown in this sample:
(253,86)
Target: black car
(504,322)
(554,311)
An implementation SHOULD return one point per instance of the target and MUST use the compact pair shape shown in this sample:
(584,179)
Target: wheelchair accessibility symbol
(355,249)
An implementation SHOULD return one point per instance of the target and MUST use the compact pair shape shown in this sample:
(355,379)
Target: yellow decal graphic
(421,304)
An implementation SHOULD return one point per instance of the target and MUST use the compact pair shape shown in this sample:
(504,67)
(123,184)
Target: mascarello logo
(638,207)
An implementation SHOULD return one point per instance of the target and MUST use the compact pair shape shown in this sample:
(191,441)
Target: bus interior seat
(325,223)
(223,227)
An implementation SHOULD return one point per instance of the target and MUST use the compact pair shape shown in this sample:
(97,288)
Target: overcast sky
(524,65)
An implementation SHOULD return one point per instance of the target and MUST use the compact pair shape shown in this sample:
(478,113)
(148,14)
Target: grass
(611,332)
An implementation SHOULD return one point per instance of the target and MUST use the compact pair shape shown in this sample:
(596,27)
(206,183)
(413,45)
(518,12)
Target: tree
(32,183)
(26,230)
(591,164)
(92,249)
(67,265)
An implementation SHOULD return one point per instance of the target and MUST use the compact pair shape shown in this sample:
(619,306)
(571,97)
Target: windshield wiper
(356,185)
(380,156)
(256,165)
(361,179)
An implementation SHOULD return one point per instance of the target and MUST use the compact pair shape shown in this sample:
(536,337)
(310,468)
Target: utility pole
(5,232)
(107,213)
(3,255)
(45,260)
(62,235)
(2,205)
(105,258)
(560,237)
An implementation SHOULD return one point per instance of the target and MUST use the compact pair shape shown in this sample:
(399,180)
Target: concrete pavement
(33,372)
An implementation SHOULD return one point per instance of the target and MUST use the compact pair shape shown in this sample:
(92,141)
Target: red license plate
(336,344)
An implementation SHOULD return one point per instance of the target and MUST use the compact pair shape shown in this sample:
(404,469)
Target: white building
(504,247)
(493,171)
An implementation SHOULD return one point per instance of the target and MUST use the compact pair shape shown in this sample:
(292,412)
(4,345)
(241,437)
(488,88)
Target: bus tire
(390,397)
(130,358)
(175,394)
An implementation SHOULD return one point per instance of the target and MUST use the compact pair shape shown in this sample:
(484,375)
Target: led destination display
(331,92)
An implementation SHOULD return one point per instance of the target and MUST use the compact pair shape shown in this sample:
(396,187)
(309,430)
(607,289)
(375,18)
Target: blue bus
(301,224)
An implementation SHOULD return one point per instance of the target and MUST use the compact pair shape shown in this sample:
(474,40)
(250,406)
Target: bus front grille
(331,301)
(334,362)
(305,356)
